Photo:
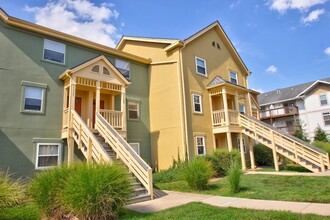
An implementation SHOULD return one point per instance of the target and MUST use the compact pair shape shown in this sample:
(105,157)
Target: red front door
(77,105)
(94,109)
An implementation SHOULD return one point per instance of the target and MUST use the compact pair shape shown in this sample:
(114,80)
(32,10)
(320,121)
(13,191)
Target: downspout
(186,150)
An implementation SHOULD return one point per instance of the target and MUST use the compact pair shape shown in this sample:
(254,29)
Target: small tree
(320,134)
(300,133)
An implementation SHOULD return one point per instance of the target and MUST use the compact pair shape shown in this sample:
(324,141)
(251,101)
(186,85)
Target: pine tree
(320,134)
(300,133)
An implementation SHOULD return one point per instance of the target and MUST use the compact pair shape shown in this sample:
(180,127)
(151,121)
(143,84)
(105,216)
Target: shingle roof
(283,94)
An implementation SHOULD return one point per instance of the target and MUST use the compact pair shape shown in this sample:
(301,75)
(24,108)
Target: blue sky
(283,42)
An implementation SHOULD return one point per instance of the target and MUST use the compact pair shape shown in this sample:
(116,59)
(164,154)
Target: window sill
(200,74)
(32,112)
(53,62)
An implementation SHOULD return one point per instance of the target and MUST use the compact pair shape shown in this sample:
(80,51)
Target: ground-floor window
(48,155)
(200,145)
(136,147)
(239,144)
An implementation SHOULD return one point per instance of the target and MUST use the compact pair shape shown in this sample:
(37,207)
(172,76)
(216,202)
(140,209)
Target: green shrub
(322,145)
(320,134)
(96,191)
(197,173)
(11,191)
(263,155)
(234,176)
(220,160)
(46,187)
(167,176)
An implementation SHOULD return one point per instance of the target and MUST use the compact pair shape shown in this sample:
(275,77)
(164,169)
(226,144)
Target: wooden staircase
(305,154)
(106,145)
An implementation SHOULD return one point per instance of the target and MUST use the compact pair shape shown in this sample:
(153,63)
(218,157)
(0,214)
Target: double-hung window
(242,108)
(323,99)
(123,67)
(54,51)
(33,97)
(48,155)
(197,100)
(136,147)
(326,118)
(233,77)
(133,110)
(200,145)
(201,66)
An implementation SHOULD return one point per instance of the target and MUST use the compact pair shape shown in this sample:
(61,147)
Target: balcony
(219,118)
(278,112)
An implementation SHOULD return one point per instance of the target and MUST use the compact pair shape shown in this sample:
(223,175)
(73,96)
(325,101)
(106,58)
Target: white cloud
(271,69)
(283,5)
(234,4)
(313,16)
(327,51)
(80,18)
(258,90)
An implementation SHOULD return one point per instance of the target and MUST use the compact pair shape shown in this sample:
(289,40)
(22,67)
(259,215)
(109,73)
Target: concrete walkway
(327,173)
(173,199)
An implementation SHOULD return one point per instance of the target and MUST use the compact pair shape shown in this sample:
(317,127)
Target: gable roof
(90,62)
(69,38)
(166,41)
(289,93)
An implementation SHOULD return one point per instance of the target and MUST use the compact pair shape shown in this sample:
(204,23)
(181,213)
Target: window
(33,97)
(326,118)
(48,155)
(197,100)
(233,77)
(239,144)
(54,51)
(242,108)
(323,99)
(106,71)
(201,66)
(123,67)
(200,145)
(136,147)
(133,110)
(96,68)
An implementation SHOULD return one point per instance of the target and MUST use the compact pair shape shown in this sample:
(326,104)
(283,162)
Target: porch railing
(219,118)
(114,118)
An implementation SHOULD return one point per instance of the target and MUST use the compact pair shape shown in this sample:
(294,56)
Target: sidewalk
(327,173)
(173,199)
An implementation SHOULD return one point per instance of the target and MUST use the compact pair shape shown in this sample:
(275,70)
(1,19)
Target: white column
(123,107)
(229,141)
(98,97)
(242,151)
(252,160)
(70,141)
(225,105)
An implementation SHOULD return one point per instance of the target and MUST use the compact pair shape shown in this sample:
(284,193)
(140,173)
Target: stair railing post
(80,139)
(151,189)
(89,150)
(322,163)
(295,152)
(274,151)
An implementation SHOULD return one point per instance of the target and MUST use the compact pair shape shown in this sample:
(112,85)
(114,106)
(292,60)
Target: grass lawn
(269,187)
(22,212)
(203,211)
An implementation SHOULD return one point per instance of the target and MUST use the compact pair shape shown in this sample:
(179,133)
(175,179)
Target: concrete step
(139,198)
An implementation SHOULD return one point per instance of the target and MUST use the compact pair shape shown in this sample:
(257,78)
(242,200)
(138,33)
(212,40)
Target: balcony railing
(278,112)
(219,118)
(114,118)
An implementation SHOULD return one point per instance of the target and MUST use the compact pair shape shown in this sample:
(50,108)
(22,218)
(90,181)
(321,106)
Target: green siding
(21,60)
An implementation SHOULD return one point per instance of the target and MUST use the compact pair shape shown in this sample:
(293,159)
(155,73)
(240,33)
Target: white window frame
(59,155)
(326,99)
(325,114)
(204,61)
(203,145)
(239,144)
(137,145)
(236,78)
(43,52)
(129,67)
(200,103)
(43,87)
(137,110)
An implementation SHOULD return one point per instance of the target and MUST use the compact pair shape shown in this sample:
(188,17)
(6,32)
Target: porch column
(225,106)
(90,109)
(229,141)
(248,104)
(98,96)
(251,151)
(241,144)
(70,141)
(123,107)
(236,102)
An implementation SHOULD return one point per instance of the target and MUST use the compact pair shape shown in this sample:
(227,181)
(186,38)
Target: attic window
(96,68)
(278,91)
(218,46)
(106,71)
(213,43)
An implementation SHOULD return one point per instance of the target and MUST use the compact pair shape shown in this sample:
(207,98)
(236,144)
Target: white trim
(200,103)
(198,58)
(203,144)
(137,145)
(311,86)
(59,153)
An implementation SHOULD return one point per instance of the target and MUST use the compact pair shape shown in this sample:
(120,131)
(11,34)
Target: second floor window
(323,99)
(133,110)
(326,118)
(201,66)
(233,77)
(54,51)
(197,99)
(123,67)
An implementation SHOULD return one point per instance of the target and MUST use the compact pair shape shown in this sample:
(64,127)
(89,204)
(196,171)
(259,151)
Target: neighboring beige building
(195,84)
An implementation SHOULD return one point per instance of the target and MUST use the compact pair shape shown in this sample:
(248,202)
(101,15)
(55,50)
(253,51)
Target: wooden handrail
(219,118)
(86,140)
(126,153)
(299,148)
